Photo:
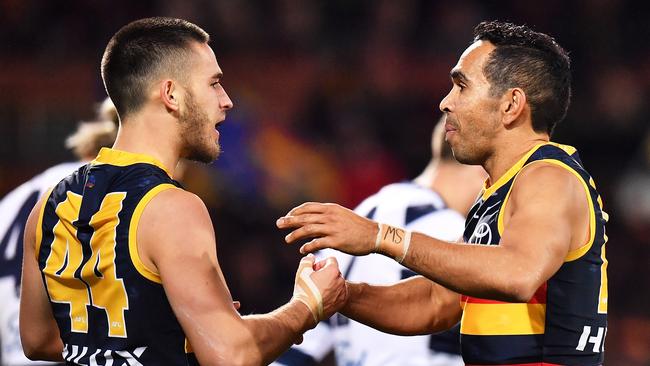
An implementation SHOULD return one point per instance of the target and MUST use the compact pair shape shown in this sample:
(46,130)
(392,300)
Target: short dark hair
(141,50)
(532,61)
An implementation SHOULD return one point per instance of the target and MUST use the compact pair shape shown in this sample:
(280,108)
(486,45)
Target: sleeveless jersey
(110,308)
(565,322)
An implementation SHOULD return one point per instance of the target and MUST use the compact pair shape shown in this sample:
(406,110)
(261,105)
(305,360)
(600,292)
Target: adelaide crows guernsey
(565,322)
(110,308)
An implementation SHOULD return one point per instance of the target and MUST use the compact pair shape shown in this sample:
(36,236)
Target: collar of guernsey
(505,178)
(124,158)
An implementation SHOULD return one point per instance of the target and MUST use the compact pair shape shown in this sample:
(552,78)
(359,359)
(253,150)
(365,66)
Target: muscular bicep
(546,216)
(182,249)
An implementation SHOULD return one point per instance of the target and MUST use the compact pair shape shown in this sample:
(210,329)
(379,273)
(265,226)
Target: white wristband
(378,240)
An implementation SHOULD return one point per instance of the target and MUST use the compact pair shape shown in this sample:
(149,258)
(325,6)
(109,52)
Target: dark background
(334,99)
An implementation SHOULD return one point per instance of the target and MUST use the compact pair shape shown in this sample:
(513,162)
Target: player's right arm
(176,238)
(412,306)
(39,333)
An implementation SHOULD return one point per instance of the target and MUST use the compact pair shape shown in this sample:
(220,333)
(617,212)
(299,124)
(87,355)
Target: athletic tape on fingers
(393,240)
(306,291)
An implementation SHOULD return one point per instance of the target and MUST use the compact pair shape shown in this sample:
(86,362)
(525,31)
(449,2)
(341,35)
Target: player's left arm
(39,332)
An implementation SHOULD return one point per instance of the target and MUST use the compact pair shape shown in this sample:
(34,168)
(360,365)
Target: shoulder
(549,174)
(174,224)
(52,176)
(555,184)
(175,206)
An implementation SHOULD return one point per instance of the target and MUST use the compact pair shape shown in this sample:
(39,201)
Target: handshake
(320,286)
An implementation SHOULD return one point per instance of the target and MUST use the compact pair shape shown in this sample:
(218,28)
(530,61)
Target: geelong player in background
(434,203)
(14,210)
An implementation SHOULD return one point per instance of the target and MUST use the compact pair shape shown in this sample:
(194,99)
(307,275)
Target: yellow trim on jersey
(488,191)
(39,223)
(599,200)
(576,253)
(125,158)
(603,293)
(133,230)
(503,319)
(570,150)
(502,210)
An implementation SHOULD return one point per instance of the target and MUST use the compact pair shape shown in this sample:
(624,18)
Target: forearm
(274,333)
(50,351)
(415,306)
(493,272)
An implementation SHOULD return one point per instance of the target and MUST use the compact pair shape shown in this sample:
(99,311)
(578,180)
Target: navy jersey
(565,322)
(108,305)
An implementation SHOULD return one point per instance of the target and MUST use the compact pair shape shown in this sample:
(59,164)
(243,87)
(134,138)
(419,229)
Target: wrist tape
(393,240)
(305,291)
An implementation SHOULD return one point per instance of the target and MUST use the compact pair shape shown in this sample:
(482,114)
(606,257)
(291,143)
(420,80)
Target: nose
(445,103)
(224,100)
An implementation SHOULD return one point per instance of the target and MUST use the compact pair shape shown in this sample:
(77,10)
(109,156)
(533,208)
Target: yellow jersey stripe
(603,293)
(488,191)
(133,231)
(504,319)
(124,158)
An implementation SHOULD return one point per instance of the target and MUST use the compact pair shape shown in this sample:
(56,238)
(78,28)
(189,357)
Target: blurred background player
(14,210)
(434,203)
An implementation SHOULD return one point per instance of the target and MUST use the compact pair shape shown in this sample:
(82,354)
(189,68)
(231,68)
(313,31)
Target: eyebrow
(458,75)
(217,75)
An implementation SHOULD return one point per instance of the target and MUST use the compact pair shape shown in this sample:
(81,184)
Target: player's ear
(513,105)
(170,94)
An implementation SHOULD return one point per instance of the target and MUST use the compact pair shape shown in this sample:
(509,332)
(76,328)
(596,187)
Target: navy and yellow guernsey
(565,322)
(110,308)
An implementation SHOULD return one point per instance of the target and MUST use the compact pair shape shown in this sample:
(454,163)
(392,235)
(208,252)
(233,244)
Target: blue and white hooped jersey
(402,204)
(14,211)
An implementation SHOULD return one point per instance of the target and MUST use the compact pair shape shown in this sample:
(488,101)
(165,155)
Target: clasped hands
(320,285)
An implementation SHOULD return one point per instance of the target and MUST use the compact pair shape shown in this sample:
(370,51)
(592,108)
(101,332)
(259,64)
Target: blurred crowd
(334,99)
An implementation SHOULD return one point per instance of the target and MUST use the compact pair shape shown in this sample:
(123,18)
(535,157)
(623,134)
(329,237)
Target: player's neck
(139,136)
(428,175)
(509,151)
(457,184)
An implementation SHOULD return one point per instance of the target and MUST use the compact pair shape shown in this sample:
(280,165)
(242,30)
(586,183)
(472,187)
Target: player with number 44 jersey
(85,278)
